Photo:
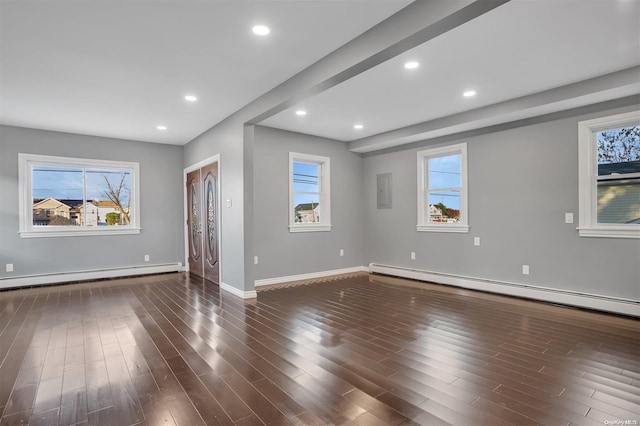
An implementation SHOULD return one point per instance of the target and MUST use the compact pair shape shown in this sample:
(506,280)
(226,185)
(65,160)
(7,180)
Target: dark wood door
(194,222)
(209,176)
(202,221)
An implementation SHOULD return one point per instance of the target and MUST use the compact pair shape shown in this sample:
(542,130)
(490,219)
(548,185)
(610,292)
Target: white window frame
(325,193)
(423,187)
(588,177)
(27,230)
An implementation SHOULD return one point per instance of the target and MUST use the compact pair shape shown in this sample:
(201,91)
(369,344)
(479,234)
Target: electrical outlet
(341,252)
(476,241)
(568,218)
(255,260)
(525,269)
(9,267)
(146,257)
(413,255)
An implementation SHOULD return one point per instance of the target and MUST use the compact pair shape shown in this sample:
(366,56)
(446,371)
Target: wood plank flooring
(172,350)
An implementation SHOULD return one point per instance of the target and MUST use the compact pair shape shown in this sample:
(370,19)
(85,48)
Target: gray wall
(161,209)
(404,30)
(226,139)
(521,182)
(282,253)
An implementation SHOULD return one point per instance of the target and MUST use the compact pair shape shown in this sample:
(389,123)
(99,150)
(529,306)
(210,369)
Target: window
(442,189)
(609,176)
(309,198)
(62,196)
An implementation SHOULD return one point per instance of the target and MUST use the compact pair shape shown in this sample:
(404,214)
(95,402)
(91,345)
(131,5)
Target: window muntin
(609,176)
(309,199)
(442,193)
(62,196)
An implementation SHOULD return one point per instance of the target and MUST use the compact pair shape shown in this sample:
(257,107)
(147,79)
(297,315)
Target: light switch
(568,218)
(227,203)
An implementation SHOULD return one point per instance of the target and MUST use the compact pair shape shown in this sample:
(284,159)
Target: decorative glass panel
(195,220)
(211,218)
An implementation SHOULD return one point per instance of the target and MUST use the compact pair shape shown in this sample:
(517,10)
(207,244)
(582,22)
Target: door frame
(187,170)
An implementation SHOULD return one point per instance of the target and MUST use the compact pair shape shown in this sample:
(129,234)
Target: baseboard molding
(65,277)
(310,276)
(565,297)
(241,294)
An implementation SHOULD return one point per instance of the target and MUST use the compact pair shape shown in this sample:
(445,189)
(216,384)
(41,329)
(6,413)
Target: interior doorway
(203,221)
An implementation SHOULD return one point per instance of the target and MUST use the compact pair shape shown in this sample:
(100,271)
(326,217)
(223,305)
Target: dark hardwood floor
(169,349)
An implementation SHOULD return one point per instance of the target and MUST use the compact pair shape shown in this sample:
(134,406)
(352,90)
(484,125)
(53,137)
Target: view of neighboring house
(619,192)
(441,213)
(435,214)
(66,212)
(308,213)
(104,208)
(87,213)
(44,211)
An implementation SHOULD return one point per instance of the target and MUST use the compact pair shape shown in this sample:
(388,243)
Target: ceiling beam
(598,89)
(421,21)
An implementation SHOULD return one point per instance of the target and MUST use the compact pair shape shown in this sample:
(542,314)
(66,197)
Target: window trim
(25,198)
(325,193)
(588,176)
(423,186)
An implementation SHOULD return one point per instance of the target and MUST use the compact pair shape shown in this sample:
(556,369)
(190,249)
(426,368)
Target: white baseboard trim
(310,276)
(241,294)
(63,277)
(565,297)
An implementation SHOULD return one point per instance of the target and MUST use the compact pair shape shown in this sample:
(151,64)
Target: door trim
(187,170)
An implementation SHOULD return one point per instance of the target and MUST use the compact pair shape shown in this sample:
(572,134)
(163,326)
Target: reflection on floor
(169,349)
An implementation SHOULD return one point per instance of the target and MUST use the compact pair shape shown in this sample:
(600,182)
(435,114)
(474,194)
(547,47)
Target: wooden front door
(202,221)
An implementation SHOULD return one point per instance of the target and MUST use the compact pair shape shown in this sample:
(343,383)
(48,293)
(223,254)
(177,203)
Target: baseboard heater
(564,297)
(88,275)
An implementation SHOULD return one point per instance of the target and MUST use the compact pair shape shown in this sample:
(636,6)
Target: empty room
(309,212)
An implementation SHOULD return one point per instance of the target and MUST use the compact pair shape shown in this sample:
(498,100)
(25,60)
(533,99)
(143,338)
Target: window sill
(78,232)
(610,232)
(309,228)
(444,227)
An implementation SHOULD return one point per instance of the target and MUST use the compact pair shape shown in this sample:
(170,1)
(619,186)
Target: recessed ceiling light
(191,98)
(412,65)
(358,126)
(161,127)
(261,30)
(301,112)
(469,93)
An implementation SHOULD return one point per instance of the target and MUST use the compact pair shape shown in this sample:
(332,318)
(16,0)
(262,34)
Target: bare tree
(116,194)
(619,146)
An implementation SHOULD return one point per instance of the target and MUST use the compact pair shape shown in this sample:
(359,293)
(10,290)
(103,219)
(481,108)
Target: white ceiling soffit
(507,55)
(121,68)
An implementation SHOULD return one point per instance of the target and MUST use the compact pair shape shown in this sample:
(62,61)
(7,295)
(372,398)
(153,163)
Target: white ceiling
(518,49)
(120,68)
